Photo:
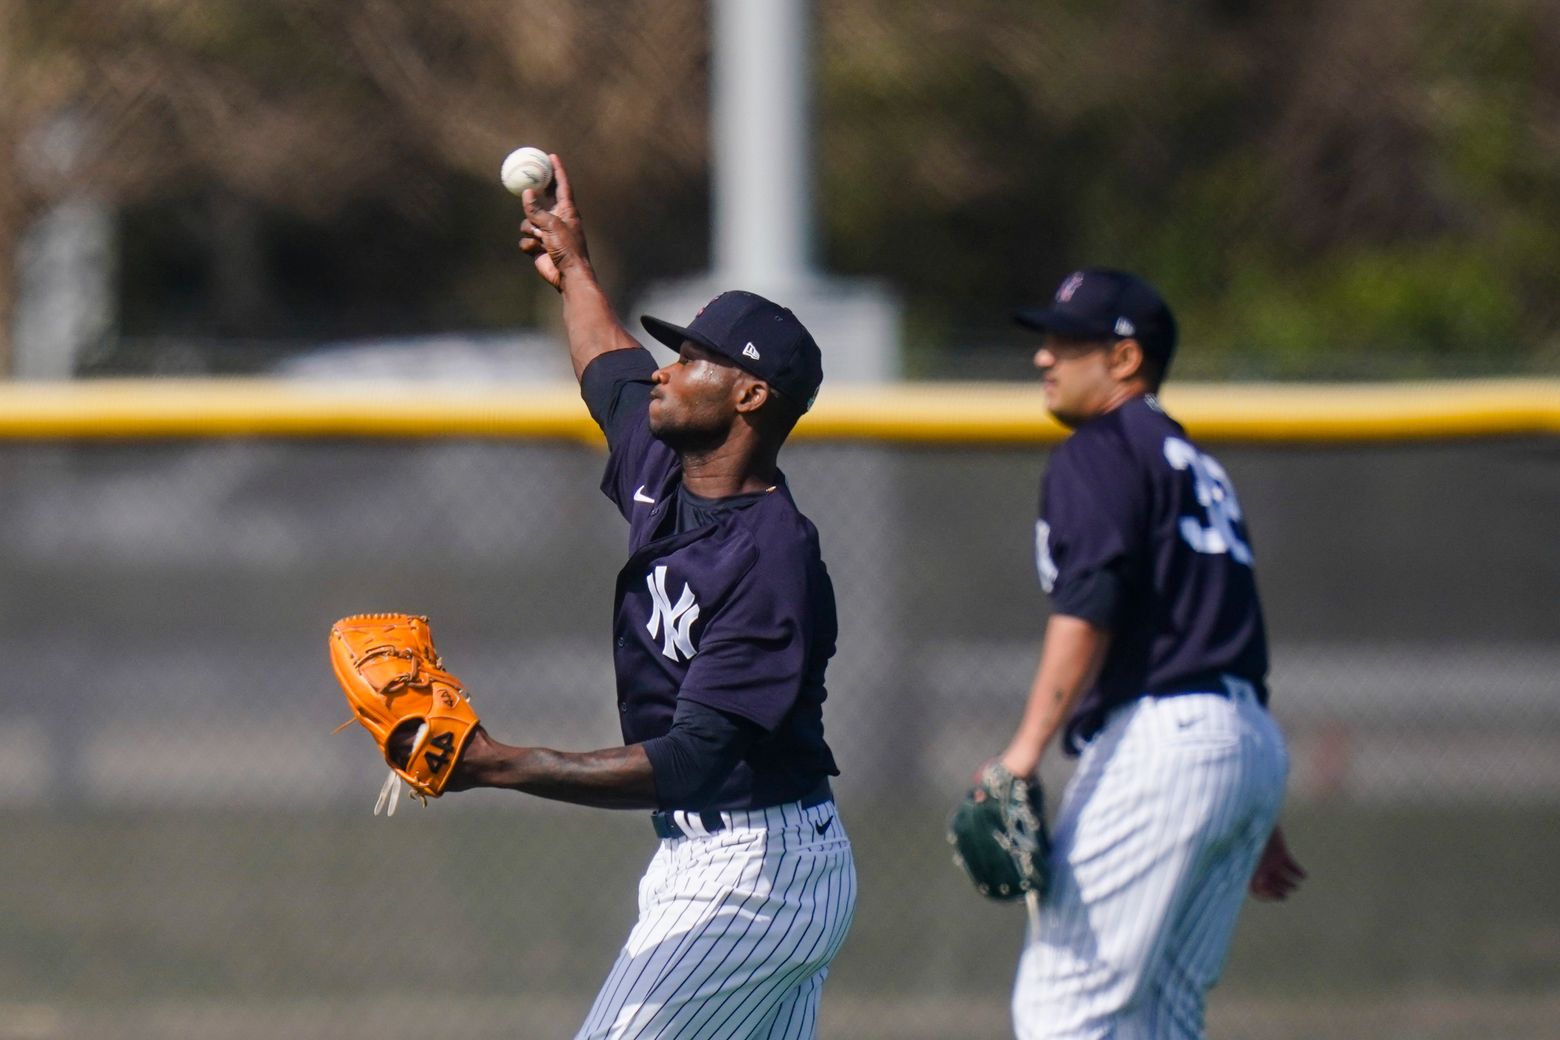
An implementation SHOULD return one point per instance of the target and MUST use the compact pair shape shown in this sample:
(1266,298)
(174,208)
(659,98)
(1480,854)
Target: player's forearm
(589,322)
(1070,661)
(613,778)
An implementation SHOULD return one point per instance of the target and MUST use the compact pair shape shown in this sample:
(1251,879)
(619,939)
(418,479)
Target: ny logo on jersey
(677,620)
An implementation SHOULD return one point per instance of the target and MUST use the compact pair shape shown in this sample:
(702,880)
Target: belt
(1232,687)
(679,823)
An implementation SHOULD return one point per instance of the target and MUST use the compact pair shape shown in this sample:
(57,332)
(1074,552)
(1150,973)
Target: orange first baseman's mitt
(395,682)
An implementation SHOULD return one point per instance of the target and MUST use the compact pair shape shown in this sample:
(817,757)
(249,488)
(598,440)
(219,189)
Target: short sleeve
(1092,530)
(616,389)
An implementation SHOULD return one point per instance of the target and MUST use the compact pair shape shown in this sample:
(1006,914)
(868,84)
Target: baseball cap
(1099,303)
(757,335)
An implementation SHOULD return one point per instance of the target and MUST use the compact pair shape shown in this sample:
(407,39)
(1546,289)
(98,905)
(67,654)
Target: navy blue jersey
(1140,533)
(725,603)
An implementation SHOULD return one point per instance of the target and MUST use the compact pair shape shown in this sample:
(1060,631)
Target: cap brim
(670,334)
(1045,319)
(674,336)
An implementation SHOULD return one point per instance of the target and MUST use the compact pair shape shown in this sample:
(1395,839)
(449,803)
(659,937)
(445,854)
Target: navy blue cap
(761,337)
(1099,303)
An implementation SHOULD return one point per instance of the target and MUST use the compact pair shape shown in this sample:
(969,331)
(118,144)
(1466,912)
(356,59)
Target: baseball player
(724,622)
(1152,672)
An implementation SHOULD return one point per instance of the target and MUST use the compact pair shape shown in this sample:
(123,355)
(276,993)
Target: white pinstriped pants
(1156,839)
(736,930)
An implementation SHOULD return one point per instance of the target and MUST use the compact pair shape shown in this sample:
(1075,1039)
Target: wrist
(485,761)
(576,269)
(1021,761)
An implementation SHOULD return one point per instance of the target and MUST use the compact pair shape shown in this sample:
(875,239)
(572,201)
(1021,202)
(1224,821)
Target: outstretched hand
(1277,873)
(551,233)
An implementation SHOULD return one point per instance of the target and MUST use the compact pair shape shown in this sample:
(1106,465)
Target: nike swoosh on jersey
(823,827)
(640,496)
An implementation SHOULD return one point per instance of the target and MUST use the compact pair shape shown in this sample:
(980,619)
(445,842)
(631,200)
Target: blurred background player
(1153,668)
(724,623)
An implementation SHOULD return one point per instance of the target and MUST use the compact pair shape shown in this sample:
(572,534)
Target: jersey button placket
(622,641)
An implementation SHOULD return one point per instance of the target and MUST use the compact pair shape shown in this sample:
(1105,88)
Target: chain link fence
(188,850)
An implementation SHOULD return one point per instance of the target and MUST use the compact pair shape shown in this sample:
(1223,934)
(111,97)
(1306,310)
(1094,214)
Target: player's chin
(681,431)
(1061,409)
(1063,416)
(660,419)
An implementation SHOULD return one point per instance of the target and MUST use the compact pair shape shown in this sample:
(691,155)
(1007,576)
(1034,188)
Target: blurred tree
(1333,187)
(222,117)
(1325,187)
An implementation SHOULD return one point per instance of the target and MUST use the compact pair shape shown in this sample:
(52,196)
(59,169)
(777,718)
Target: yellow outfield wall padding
(912,413)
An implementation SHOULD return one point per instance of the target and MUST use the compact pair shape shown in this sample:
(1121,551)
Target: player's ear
(1126,359)
(752,393)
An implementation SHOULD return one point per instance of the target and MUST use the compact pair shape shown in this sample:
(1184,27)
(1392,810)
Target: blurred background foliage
(1324,188)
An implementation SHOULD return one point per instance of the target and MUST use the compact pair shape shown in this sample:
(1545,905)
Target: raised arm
(555,238)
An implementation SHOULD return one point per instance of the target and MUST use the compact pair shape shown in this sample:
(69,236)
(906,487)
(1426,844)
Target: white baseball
(526,168)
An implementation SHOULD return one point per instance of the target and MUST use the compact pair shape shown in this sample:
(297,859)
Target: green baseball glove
(999,837)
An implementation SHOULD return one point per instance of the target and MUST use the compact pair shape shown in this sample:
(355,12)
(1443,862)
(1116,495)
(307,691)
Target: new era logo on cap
(1100,303)
(756,334)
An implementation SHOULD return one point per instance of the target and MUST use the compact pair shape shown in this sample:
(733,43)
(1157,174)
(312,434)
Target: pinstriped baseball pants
(1155,841)
(736,931)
